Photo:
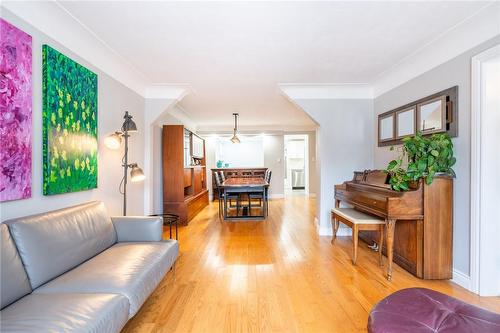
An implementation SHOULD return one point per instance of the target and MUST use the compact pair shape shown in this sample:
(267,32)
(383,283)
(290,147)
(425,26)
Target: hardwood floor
(276,275)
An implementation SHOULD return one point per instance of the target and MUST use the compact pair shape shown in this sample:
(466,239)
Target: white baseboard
(277,196)
(343,231)
(327,230)
(462,279)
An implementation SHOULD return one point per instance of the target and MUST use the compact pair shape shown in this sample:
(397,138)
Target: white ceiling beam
(295,91)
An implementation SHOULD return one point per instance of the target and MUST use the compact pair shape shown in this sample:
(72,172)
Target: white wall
(344,144)
(113,100)
(274,147)
(451,73)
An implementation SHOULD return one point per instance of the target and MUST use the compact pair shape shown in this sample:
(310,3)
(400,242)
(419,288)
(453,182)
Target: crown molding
(52,19)
(294,91)
(167,91)
(467,34)
(256,129)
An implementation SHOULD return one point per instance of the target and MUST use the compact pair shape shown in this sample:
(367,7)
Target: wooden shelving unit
(184,183)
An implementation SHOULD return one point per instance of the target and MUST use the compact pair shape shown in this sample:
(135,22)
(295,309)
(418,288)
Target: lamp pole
(114,141)
(125,169)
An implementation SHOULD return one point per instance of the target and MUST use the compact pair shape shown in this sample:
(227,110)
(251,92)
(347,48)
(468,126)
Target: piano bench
(357,221)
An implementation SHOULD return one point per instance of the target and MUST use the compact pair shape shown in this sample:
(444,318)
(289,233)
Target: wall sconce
(114,141)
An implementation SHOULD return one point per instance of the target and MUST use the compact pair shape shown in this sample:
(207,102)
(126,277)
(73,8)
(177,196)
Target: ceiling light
(235,138)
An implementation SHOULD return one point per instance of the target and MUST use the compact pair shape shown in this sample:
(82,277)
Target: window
(248,153)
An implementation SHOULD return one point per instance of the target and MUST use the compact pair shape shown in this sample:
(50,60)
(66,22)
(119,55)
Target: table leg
(264,203)
(390,225)
(177,229)
(225,206)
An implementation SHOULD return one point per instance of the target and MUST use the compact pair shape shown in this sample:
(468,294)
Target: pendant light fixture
(235,138)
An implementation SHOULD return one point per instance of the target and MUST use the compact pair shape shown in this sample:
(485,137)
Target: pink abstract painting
(15,113)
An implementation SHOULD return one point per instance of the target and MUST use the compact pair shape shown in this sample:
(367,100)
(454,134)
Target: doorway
(296,163)
(485,163)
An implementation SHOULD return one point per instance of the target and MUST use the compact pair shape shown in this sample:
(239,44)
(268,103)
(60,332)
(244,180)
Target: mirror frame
(443,115)
(397,113)
(385,116)
(449,115)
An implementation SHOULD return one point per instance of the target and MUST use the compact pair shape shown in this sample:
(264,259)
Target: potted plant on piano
(421,158)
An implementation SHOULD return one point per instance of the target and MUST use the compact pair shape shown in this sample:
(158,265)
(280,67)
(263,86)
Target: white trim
(476,177)
(55,21)
(296,91)
(52,19)
(169,91)
(254,129)
(277,196)
(461,279)
(326,230)
(474,30)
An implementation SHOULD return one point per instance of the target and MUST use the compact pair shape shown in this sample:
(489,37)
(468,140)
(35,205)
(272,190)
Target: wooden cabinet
(184,186)
(237,172)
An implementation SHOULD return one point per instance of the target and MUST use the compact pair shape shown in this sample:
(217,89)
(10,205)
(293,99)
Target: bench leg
(380,244)
(335,227)
(355,243)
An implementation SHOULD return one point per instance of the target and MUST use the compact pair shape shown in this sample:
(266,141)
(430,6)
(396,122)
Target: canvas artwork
(69,124)
(15,113)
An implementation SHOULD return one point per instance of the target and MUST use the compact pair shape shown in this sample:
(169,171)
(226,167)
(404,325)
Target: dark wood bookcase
(184,182)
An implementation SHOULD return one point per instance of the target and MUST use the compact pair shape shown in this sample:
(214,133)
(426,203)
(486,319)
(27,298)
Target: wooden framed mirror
(405,122)
(386,128)
(431,115)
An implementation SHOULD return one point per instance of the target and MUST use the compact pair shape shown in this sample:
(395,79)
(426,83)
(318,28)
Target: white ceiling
(234,54)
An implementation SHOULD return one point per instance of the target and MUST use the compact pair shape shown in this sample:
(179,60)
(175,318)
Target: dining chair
(222,175)
(221,194)
(262,195)
(266,190)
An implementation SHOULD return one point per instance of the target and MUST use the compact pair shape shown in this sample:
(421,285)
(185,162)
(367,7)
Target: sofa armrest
(138,228)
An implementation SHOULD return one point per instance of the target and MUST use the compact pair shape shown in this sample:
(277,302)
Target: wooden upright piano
(419,222)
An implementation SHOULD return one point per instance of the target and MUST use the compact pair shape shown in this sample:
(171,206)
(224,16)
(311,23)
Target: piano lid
(378,178)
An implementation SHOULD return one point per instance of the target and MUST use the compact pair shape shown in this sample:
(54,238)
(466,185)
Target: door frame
(298,136)
(479,222)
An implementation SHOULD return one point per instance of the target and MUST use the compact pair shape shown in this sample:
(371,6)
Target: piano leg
(390,224)
(381,244)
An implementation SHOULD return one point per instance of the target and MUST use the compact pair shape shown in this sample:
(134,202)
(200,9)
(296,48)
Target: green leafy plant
(425,156)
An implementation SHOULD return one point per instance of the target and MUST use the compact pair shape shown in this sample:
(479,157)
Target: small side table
(169,219)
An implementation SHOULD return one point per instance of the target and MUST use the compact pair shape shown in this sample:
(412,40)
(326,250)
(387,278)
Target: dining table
(245,186)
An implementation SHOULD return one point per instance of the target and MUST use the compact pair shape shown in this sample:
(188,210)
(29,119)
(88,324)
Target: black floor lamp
(114,141)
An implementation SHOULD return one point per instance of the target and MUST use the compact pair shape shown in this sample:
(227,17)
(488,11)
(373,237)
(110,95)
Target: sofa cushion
(422,310)
(131,269)
(14,282)
(66,313)
(52,243)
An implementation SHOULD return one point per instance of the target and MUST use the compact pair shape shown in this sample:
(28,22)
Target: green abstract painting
(69,124)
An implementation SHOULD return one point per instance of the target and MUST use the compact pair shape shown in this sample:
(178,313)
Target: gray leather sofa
(79,270)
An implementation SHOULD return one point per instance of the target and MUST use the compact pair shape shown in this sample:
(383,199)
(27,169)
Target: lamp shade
(113,141)
(128,125)
(136,173)
(235,139)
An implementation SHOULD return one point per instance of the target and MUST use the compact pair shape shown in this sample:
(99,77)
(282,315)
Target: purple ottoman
(419,310)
